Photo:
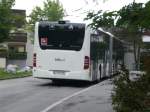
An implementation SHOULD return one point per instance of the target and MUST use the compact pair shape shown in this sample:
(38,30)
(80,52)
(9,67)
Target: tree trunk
(136,49)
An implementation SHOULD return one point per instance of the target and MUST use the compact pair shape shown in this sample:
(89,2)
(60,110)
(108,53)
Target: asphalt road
(34,95)
(96,98)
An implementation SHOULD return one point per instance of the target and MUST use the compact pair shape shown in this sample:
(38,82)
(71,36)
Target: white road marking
(67,98)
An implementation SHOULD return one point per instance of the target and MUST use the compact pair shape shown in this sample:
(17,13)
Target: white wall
(29,50)
(129,60)
(2,62)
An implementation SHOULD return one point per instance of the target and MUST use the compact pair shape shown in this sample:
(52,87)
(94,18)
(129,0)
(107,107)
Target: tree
(145,19)
(52,11)
(5,19)
(130,20)
(105,19)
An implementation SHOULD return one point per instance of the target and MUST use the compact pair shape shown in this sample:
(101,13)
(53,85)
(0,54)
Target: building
(16,44)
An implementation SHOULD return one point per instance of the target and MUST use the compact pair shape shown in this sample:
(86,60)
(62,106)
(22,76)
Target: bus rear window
(61,36)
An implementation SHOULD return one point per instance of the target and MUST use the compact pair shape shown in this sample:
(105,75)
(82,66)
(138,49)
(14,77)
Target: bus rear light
(34,60)
(86,62)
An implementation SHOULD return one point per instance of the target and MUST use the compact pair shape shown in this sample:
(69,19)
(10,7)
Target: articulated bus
(72,51)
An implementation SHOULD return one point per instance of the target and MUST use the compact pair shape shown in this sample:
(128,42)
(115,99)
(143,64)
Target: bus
(70,51)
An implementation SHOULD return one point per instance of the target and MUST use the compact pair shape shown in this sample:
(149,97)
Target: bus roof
(61,22)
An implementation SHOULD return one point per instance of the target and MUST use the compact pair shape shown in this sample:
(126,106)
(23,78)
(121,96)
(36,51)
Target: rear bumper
(76,75)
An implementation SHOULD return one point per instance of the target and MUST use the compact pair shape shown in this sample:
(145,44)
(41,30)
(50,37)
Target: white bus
(64,50)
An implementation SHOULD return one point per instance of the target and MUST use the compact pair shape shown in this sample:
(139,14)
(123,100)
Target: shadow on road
(71,83)
(66,83)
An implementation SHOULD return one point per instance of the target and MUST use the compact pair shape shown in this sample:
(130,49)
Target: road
(33,95)
(37,95)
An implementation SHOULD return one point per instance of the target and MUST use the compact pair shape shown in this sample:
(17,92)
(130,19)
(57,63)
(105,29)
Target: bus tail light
(86,62)
(34,60)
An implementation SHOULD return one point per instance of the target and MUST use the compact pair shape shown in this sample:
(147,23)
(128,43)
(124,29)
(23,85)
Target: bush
(3,52)
(146,63)
(5,75)
(131,96)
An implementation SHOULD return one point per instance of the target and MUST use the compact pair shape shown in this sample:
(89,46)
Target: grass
(5,75)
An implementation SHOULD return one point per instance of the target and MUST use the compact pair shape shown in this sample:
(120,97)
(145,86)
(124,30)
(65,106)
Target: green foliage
(5,18)
(18,21)
(102,19)
(3,51)
(131,96)
(145,19)
(36,15)
(133,18)
(130,17)
(53,11)
(5,75)
(146,62)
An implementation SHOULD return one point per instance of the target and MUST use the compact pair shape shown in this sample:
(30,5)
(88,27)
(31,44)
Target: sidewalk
(97,99)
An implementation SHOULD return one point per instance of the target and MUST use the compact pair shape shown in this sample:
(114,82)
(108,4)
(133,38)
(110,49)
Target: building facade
(16,44)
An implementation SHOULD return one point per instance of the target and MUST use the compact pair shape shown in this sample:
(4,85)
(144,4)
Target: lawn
(5,75)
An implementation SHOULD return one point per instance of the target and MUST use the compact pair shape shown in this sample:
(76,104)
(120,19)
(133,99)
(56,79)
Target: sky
(76,9)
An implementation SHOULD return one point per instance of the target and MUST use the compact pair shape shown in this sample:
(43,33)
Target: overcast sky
(76,8)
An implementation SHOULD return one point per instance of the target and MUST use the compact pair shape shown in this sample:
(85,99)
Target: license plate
(59,72)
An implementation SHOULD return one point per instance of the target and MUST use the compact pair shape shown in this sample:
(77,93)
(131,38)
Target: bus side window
(94,47)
